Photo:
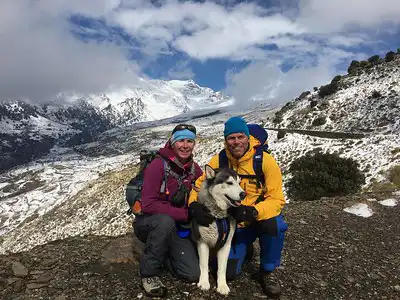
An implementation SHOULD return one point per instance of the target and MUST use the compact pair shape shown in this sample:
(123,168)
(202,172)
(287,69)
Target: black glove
(200,213)
(243,213)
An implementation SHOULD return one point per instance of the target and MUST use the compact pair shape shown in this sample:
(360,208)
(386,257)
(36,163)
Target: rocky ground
(329,254)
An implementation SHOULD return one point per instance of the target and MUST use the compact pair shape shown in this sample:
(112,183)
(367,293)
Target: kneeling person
(259,216)
(162,227)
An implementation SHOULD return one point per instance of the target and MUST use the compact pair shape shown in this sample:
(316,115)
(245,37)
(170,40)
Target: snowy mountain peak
(73,118)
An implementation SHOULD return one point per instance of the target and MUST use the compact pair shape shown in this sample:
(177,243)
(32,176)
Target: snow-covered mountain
(80,190)
(367,99)
(28,131)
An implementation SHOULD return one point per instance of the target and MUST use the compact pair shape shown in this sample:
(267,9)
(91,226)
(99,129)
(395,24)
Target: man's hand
(200,213)
(243,213)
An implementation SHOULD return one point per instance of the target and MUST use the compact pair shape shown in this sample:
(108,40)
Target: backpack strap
(224,228)
(165,175)
(223,159)
(169,171)
(257,165)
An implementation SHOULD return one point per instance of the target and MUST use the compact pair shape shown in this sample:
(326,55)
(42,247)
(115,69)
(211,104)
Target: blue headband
(181,135)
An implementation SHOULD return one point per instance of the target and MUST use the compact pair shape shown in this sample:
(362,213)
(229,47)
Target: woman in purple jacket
(165,214)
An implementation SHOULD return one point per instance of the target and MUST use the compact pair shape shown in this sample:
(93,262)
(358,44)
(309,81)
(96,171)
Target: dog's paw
(223,289)
(204,285)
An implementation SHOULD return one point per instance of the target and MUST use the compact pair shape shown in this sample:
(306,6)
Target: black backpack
(133,190)
(261,134)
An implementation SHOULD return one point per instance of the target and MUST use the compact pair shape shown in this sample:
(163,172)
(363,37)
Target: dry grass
(394,175)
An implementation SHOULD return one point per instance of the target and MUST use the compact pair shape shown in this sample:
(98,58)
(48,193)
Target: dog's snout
(242,195)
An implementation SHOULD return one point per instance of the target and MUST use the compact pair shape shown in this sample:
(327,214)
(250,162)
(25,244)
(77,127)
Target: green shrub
(365,64)
(395,150)
(277,119)
(318,121)
(390,56)
(373,59)
(304,94)
(376,94)
(336,79)
(354,67)
(281,134)
(394,175)
(313,103)
(317,175)
(328,89)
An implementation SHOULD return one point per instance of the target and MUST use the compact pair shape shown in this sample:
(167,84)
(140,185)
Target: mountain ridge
(29,131)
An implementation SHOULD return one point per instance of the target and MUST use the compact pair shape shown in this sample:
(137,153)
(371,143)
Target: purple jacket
(153,202)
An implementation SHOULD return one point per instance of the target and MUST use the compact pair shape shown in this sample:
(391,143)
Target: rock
(19,269)
(48,263)
(303,222)
(12,280)
(34,286)
(18,286)
(374,276)
(60,297)
(45,277)
(323,283)
(258,295)
(36,272)
(122,250)
(397,288)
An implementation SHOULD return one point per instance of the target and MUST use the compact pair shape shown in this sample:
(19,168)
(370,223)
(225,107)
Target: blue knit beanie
(182,134)
(236,125)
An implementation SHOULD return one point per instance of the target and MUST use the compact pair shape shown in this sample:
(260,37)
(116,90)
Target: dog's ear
(210,172)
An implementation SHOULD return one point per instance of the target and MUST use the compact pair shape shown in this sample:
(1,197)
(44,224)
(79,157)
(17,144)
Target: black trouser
(163,247)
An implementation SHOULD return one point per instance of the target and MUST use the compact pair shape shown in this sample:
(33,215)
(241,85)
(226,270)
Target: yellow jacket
(272,188)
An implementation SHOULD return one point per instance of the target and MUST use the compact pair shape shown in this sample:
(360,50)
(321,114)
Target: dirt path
(329,254)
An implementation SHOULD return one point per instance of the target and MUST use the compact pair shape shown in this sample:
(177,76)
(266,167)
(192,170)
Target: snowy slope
(365,102)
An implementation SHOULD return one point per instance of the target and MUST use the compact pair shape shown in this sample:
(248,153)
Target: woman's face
(183,148)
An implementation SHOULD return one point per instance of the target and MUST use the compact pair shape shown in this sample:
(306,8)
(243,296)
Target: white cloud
(39,56)
(264,80)
(181,70)
(312,36)
(261,81)
(333,16)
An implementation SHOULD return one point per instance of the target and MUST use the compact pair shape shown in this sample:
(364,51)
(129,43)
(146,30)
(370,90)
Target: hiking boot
(270,284)
(154,287)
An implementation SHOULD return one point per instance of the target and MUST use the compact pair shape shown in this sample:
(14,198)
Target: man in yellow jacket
(259,216)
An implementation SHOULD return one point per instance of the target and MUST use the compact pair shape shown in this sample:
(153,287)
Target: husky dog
(218,192)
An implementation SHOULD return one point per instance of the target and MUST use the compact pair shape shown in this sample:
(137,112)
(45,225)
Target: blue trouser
(271,234)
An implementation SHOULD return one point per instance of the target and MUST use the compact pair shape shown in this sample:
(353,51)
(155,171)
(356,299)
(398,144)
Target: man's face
(238,144)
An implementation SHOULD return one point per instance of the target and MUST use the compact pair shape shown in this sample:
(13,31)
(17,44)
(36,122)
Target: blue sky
(263,49)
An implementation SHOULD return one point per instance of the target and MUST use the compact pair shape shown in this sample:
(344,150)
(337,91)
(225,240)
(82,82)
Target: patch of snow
(359,209)
(389,202)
